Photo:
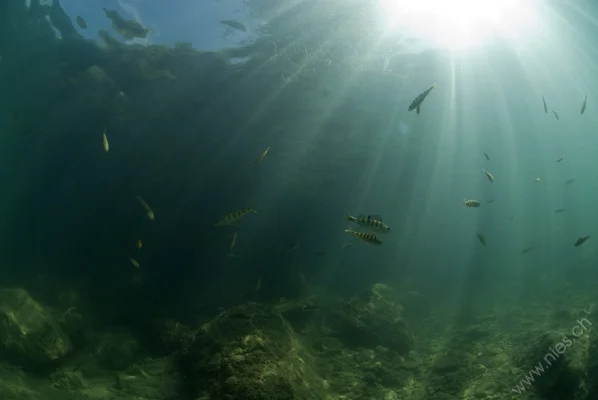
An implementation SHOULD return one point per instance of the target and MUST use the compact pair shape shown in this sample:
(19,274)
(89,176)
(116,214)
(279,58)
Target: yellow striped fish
(233,217)
(373,222)
(148,210)
(105,142)
(471,203)
(365,236)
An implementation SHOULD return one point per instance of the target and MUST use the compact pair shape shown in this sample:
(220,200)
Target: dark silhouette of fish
(545,107)
(81,22)
(570,181)
(486,155)
(555,114)
(416,104)
(527,250)
(583,106)
(481,238)
(560,210)
(581,240)
(234,24)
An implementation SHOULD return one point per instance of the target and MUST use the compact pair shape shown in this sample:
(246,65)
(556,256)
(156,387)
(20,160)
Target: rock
(250,352)
(378,322)
(563,358)
(29,335)
(116,350)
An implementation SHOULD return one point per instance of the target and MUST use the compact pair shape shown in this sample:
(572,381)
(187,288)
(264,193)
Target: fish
(293,246)
(569,181)
(555,114)
(488,175)
(545,107)
(365,236)
(560,210)
(258,284)
(105,142)
(561,158)
(486,155)
(373,222)
(490,201)
(81,22)
(234,24)
(149,212)
(527,250)
(351,307)
(583,106)
(231,218)
(261,157)
(537,180)
(471,203)
(482,238)
(581,240)
(416,104)
(233,241)
(139,244)
(134,262)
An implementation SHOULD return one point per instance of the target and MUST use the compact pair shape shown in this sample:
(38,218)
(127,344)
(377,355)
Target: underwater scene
(299,200)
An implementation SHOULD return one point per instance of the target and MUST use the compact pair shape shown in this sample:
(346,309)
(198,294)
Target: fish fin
(375,216)
(417,109)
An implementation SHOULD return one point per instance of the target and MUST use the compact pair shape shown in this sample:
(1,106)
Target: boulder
(29,335)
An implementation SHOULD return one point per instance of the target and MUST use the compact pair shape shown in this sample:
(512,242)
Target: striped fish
(373,222)
(471,203)
(365,236)
(233,217)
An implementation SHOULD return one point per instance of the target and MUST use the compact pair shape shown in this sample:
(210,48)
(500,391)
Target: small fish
(294,246)
(527,250)
(150,213)
(490,201)
(373,222)
(555,114)
(105,142)
(486,155)
(81,22)
(233,241)
(538,180)
(482,238)
(352,308)
(561,158)
(139,244)
(545,107)
(471,203)
(365,236)
(581,240)
(261,157)
(258,284)
(560,210)
(345,245)
(488,175)
(570,181)
(231,218)
(134,262)
(416,104)
(583,106)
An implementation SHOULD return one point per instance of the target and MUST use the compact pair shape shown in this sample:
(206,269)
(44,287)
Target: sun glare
(458,24)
